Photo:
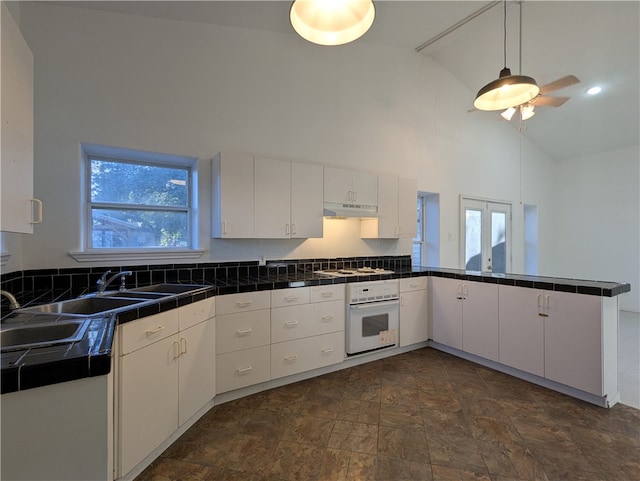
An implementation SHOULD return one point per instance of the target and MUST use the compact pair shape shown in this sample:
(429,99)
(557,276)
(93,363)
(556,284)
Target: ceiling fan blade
(561,83)
(549,101)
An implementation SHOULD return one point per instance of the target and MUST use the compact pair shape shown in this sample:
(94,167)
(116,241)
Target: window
(418,240)
(426,244)
(138,201)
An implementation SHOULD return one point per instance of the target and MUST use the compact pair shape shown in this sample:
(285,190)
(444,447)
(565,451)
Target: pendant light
(331,22)
(507,90)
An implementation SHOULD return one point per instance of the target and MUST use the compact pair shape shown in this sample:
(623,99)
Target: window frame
(88,253)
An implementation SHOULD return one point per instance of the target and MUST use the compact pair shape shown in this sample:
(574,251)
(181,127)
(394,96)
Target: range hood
(334,209)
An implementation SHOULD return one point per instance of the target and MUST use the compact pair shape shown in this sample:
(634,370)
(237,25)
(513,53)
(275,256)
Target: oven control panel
(359,292)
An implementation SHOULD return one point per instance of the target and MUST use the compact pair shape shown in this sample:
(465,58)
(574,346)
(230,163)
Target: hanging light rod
(507,90)
(332,22)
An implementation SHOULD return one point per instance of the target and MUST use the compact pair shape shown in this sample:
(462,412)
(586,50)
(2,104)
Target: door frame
(462,237)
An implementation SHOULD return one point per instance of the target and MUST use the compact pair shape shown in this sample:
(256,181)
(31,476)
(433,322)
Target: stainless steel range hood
(337,210)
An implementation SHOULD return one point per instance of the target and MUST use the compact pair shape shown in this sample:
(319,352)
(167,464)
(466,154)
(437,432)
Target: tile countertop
(91,356)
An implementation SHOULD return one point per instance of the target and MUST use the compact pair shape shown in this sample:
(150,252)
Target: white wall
(194,89)
(597,219)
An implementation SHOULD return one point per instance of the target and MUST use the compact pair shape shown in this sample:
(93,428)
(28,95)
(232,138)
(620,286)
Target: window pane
(138,228)
(416,255)
(473,247)
(498,240)
(126,183)
(419,210)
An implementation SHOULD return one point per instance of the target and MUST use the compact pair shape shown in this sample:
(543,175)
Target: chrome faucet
(13,302)
(103,282)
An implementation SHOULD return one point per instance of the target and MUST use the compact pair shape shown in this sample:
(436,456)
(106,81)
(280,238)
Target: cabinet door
(16,99)
(387,207)
(407,207)
(232,196)
(480,319)
(196,368)
(365,187)
(572,337)
(272,198)
(338,185)
(521,331)
(306,200)
(446,304)
(414,317)
(148,400)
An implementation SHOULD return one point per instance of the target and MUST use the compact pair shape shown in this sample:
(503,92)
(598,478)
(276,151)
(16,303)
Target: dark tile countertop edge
(92,356)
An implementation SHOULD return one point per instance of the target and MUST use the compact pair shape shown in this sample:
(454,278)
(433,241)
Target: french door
(486,235)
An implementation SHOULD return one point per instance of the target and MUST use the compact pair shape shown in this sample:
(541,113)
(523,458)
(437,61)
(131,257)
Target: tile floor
(423,415)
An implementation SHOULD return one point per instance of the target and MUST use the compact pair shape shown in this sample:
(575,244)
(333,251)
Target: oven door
(371,326)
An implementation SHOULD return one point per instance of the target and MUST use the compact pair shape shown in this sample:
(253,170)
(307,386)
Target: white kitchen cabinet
(232,199)
(306,200)
(19,211)
(521,331)
(342,186)
(166,374)
(272,197)
(243,336)
(414,310)
(397,198)
(465,316)
(307,329)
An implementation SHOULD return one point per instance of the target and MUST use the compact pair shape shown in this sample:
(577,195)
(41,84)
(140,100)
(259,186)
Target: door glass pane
(498,242)
(473,238)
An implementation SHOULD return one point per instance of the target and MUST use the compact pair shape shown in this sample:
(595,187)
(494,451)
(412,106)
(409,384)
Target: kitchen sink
(169,288)
(42,334)
(84,305)
(136,295)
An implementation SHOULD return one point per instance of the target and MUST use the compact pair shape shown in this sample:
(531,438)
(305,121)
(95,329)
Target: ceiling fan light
(526,111)
(331,22)
(506,91)
(508,114)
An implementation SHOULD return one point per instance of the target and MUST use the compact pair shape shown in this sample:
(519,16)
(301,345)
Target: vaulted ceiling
(597,41)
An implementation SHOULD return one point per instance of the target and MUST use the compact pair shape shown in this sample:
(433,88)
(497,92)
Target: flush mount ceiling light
(507,90)
(332,22)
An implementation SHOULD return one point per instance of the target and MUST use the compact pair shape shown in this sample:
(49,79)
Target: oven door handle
(374,305)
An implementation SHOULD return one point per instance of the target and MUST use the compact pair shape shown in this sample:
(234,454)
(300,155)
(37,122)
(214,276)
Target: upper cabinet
(265,198)
(288,199)
(343,186)
(396,209)
(232,209)
(20,211)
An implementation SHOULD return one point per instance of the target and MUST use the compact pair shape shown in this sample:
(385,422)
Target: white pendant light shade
(332,22)
(526,111)
(508,114)
(507,91)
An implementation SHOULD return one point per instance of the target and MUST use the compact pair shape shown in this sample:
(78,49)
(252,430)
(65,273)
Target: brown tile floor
(424,415)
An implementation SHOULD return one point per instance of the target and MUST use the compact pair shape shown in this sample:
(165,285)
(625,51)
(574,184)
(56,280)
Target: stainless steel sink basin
(42,334)
(84,305)
(169,288)
(137,295)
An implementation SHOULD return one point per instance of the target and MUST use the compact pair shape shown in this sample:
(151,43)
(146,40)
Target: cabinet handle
(151,332)
(242,304)
(291,298)
(465,291)
(291,358)
(286,229)
(399,231)
(294,230)
(224,227)
(350,196)
(539,300)
(183,346)
(327,318)
(176,349)
(546,302)
(327,294)
(542,314)
(244,370)
(290,324)
(244,332)
(402,300)
(414,286)
(355,196)
(327,350)
(38,205)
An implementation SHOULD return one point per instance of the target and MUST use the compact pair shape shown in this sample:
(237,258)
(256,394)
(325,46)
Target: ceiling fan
(542,99)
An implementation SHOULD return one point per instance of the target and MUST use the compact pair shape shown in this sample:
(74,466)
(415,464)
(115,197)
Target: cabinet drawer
(145,331)
(302,355)
(242,331)
(290,297)
(196,312)
(326,293)
(249,301)
(242,368)
(413,283)
(295,322)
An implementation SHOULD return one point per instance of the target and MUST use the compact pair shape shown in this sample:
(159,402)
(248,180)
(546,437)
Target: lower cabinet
(166,374)
(293,357)
(414,310)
